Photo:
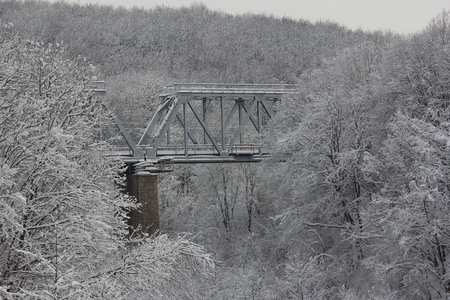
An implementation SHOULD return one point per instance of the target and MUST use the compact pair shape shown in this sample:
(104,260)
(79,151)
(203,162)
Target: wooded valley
(354,202)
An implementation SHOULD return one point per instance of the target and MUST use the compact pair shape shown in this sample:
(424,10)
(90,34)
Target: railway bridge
(194,123)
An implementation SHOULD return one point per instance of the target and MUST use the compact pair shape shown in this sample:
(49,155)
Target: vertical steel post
(240,119)
(258,108)
(204,121)
(168,136)
(185,131)
(222,119)
(258,111)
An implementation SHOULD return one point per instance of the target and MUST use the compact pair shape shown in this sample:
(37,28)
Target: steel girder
(199,123)
(215,139)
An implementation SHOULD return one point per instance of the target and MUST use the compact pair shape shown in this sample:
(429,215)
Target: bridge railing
(230,88)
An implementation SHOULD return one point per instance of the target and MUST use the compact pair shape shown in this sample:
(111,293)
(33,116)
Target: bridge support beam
(144,186)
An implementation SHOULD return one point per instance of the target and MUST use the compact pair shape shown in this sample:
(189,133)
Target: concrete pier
(144,186)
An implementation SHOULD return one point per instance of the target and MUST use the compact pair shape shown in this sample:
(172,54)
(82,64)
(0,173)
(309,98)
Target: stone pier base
(145,188)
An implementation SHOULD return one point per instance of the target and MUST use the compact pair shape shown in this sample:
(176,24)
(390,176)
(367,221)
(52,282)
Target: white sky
(402,16)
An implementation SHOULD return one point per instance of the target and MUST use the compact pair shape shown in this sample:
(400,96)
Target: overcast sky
(402,16)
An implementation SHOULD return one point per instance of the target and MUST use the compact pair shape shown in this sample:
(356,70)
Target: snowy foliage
(63,219)
(363,175)
(352,205)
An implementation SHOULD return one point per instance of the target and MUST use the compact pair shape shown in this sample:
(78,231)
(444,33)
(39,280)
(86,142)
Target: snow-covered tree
(62,218)
(412,209)
(316,171)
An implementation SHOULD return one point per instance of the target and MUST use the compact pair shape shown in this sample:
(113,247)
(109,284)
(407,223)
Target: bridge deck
(199,154)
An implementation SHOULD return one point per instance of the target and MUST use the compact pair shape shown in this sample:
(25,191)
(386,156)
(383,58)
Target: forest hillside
(139,51)
(352,204)
(188,44)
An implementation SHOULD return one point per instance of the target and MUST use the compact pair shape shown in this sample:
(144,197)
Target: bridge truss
(205,123)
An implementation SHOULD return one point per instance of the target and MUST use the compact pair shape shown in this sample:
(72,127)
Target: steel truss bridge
(204,123)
